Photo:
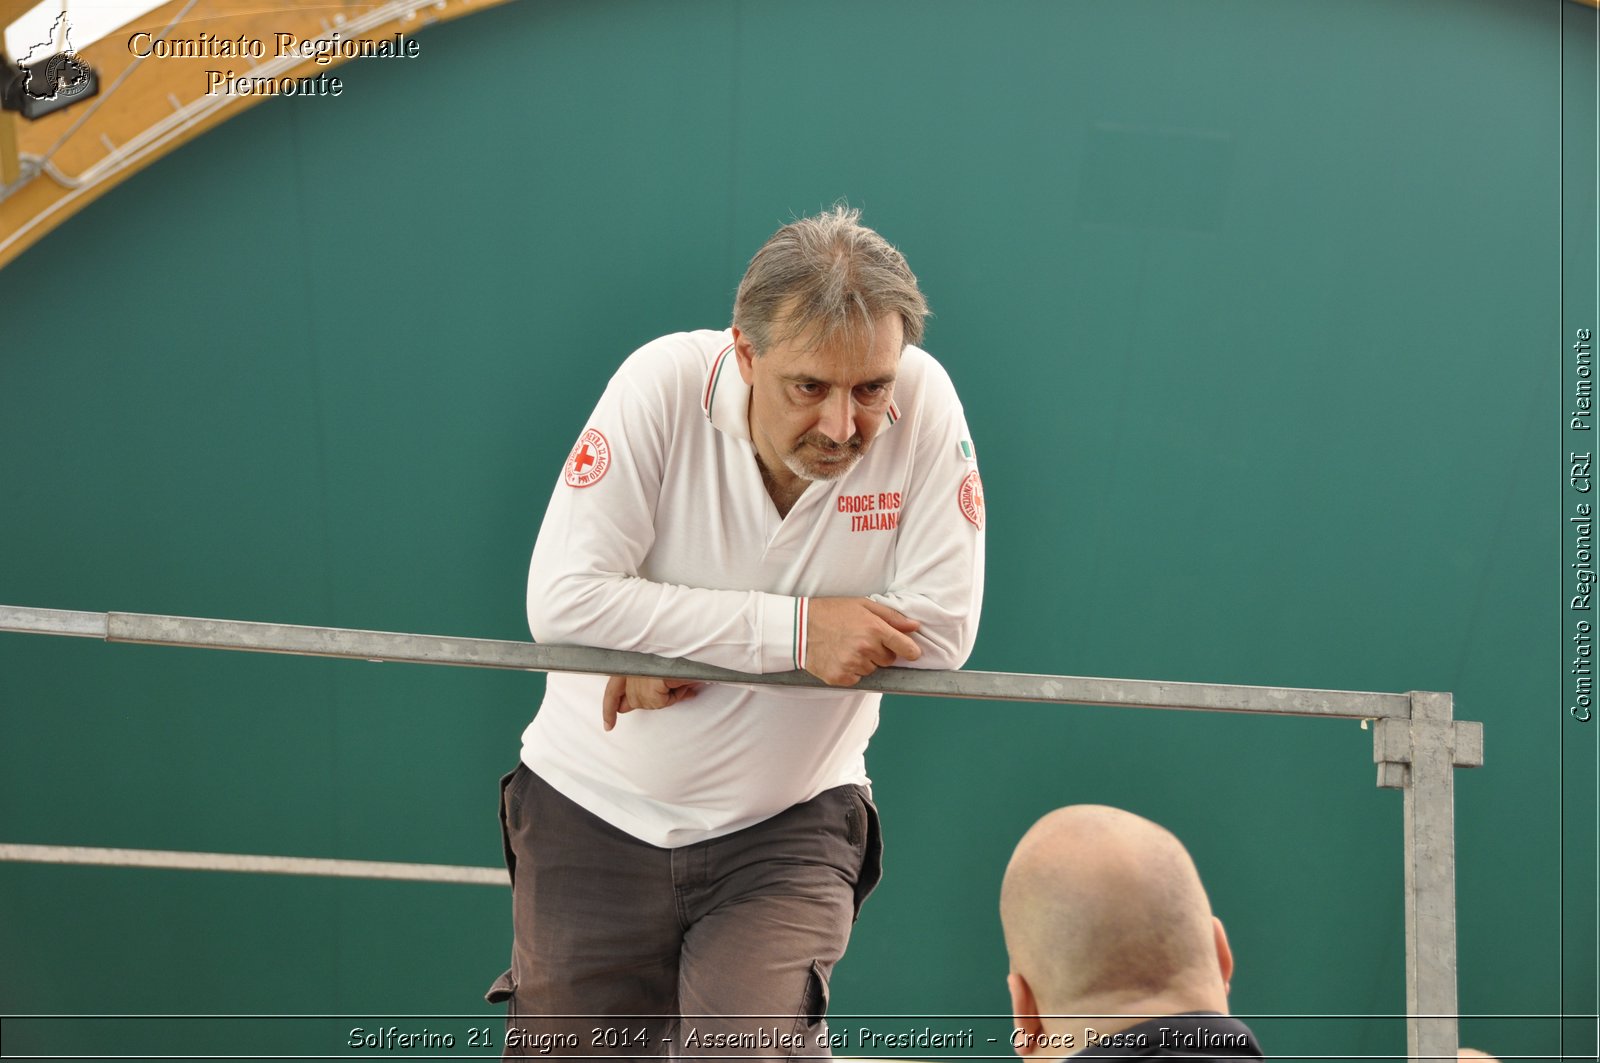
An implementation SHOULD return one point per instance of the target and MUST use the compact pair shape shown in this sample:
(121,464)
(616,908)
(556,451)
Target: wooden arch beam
(149,106)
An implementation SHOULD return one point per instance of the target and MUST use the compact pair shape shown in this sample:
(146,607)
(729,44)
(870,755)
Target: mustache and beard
(816,457)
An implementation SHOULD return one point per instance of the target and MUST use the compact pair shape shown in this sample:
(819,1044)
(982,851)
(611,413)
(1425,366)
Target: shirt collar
(725,398)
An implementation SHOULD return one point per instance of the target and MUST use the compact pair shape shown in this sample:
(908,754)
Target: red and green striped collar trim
(713,379)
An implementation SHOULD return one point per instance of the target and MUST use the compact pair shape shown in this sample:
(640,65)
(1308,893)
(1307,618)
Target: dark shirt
(1198,1035)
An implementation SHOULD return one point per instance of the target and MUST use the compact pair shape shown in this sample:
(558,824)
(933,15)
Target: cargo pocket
(811,1022)
(503,989)
(816,1003)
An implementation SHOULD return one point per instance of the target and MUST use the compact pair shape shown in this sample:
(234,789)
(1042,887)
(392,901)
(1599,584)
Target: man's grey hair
(828,278)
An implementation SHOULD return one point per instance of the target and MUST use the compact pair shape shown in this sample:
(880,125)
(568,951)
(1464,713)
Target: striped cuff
(783,632)
(802,613)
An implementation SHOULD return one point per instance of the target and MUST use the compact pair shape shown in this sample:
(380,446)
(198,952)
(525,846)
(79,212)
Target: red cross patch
(589,460)
(970,496)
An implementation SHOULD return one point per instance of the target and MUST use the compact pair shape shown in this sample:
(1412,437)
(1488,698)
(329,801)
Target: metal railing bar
(242,862)
(195,632)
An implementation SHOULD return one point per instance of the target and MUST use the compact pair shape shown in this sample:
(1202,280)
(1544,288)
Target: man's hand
(848,638)
(624,693)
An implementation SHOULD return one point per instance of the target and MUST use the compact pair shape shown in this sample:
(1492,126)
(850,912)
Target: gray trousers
(720,949)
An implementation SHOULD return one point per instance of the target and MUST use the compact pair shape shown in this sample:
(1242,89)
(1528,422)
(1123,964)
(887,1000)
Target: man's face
(815,410)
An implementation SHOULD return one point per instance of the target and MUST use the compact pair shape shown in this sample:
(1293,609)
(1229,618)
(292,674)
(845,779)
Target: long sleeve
(939,553)
(584,583)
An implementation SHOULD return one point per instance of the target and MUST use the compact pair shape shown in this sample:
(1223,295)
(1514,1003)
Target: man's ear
(1024,1014)
(744,352)
(1224,952)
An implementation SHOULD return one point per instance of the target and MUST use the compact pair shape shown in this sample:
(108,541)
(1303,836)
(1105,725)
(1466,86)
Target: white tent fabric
(85,21)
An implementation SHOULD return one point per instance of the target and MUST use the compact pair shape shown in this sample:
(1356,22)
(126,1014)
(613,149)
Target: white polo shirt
(660,537)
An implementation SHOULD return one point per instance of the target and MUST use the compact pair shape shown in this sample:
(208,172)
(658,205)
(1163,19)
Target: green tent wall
(1255,309)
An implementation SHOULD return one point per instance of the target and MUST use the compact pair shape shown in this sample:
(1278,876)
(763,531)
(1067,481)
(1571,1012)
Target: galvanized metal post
(1419,756)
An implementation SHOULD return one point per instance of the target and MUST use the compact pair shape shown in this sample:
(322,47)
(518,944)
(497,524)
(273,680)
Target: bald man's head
(1100,905)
